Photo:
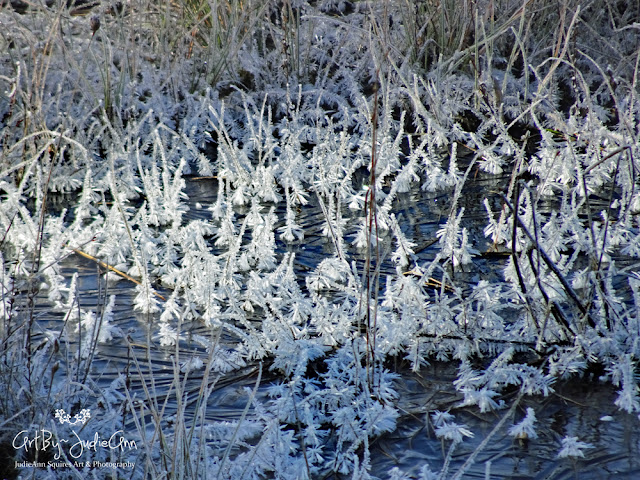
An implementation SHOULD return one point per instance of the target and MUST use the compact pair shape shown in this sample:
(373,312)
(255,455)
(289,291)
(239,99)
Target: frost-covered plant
(526,428)
(572,447)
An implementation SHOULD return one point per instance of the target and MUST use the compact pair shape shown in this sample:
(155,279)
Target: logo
(79,418)
(73,450)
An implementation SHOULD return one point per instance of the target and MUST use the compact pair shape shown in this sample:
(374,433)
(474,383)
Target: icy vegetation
(354,109)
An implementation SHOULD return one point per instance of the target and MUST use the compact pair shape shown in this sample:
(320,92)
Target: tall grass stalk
(371,281)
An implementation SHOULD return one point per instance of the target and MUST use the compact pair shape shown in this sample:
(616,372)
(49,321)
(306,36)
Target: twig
(472,458)
(570,291)
(477,339)
(240,421)
(110,267)
(514,258)
(552,305)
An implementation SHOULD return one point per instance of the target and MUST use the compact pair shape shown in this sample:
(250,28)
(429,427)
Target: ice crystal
(572,447)
(453,431)
(526,428)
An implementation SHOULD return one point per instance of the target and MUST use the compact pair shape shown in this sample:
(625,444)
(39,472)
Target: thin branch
(552,266)
(111,268)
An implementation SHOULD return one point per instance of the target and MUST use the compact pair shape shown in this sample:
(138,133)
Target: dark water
(575,409)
